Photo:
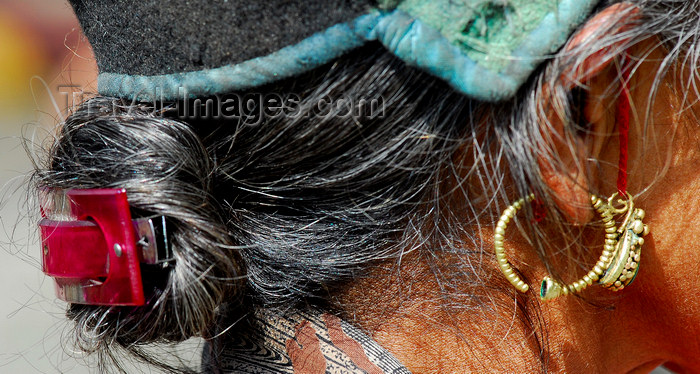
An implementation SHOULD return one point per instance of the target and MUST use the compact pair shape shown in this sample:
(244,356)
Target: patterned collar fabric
(299,343)
(170,50)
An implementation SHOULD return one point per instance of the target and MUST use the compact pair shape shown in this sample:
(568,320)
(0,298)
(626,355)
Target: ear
(592,86)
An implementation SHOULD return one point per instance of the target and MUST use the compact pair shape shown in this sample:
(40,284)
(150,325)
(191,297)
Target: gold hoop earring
(617,266)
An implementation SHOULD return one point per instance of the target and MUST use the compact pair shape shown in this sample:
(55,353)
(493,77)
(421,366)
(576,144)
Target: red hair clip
(94,249)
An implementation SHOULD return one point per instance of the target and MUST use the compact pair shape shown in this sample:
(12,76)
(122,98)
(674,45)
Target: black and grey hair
(290,209)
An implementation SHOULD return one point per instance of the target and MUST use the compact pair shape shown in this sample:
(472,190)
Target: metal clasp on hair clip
(94,249)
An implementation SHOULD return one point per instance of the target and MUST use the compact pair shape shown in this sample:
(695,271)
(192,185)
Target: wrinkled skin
(654,321)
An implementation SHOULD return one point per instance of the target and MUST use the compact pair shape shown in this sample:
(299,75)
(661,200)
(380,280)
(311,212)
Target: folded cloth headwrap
(150,49)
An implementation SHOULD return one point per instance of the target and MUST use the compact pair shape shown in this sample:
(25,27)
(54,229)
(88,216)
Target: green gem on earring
(543,289)
(550,289)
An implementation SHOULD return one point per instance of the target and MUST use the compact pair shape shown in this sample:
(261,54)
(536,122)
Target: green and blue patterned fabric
(483,48)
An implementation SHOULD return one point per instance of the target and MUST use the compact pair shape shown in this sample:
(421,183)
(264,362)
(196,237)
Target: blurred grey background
(41,51)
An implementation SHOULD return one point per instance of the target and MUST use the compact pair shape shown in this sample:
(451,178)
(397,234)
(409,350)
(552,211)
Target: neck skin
(654,321)
(428,337)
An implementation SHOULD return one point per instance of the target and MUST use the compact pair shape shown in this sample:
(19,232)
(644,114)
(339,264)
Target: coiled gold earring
(617,266)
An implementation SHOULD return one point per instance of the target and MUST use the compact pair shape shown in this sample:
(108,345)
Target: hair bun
(166,170)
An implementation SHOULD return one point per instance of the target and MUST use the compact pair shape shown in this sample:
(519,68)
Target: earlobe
(577,135)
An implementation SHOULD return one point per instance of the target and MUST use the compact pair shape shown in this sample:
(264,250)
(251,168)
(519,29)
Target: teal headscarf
(483,48)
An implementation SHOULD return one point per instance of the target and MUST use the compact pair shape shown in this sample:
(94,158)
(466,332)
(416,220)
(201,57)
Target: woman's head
(316,206)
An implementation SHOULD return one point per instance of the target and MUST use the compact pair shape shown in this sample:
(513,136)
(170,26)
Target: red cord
(622,117)
(538,211)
